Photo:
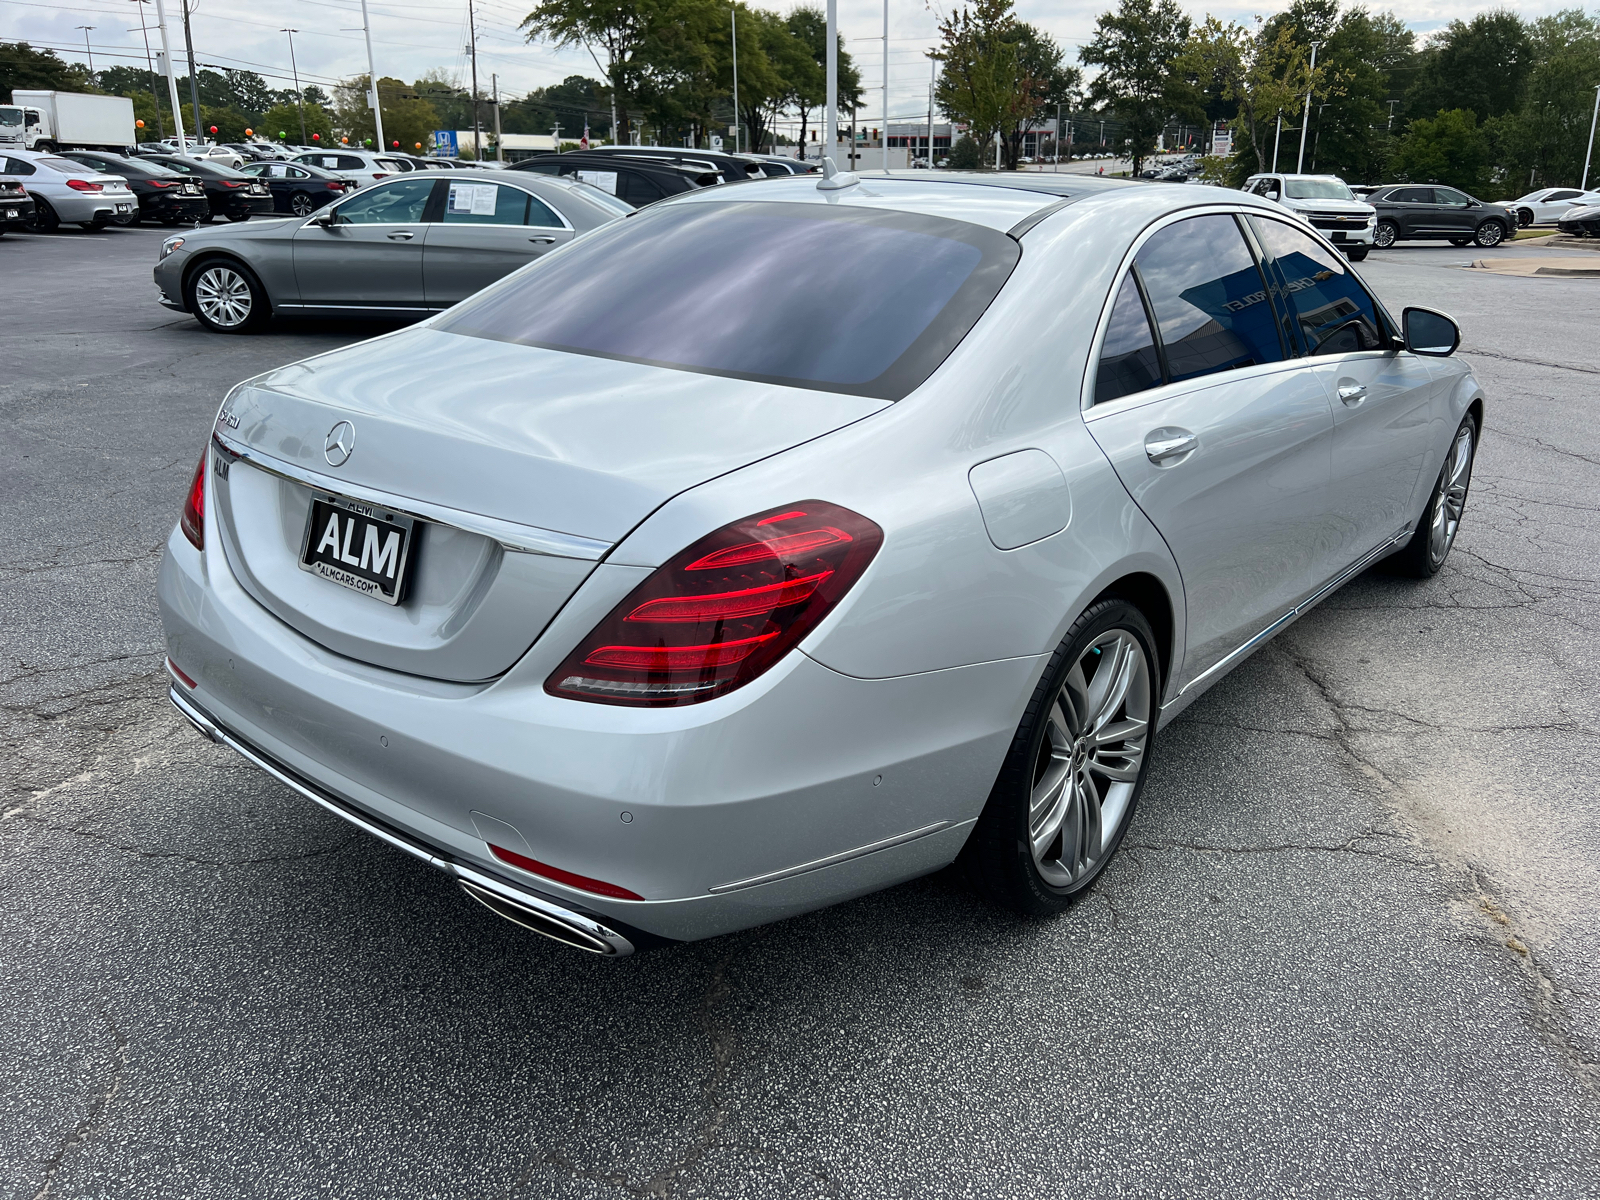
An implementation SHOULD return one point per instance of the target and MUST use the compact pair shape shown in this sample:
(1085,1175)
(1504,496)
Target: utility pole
(830,132)
(883,142)
(172,83)
(372,76)
(194,77)
(736,122)
(1305,119)
(933,75)
(1589,150)
(499,153)
(1058,138)
(299,96)
(86,49)
(161,125)
(477,121)
(556,133)
(1275,137)
(1391,104)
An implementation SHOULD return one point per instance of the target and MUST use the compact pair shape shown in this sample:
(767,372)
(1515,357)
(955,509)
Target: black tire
(1385,235)
(1524,217)
(1490,233)
(1356,253)
(302,205)
(1422,557)
(223,277)
(94,226)
(44,219)
(236,218)
(1461,241)
(999,856)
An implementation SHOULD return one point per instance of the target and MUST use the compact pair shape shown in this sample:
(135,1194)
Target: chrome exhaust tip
(566,928)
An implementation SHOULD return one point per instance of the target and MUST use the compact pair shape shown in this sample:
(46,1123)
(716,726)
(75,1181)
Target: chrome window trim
(520,539)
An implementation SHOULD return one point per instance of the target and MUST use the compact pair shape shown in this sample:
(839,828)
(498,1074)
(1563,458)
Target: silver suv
(1327,203)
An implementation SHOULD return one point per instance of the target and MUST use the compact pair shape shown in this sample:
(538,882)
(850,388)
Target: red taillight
(377,175)
(83,185)
(161,183)
(724,610)
(582,882)
(193,521)
(233,183)
(180,676)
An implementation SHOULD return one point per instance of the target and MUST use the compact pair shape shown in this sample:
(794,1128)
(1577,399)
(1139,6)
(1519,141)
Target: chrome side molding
(520,539)
(832,860)
(530,911)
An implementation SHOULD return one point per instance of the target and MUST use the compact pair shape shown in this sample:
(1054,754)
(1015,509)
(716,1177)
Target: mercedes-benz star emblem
(340,444)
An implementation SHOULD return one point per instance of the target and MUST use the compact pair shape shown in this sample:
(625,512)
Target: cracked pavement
(1352,947)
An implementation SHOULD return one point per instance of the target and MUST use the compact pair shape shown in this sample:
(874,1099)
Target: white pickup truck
(66,121)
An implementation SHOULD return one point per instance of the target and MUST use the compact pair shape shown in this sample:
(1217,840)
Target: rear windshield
(840,299)
(1317,189)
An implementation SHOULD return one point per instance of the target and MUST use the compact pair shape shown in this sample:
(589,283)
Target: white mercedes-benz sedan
(779,543)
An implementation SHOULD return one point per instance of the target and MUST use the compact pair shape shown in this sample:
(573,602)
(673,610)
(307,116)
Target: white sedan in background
(1548,205)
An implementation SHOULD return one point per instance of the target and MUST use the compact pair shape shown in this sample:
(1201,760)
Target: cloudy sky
(413,36)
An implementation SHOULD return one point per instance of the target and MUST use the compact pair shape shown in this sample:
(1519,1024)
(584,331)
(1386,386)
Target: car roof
(608,162)
(1002,200)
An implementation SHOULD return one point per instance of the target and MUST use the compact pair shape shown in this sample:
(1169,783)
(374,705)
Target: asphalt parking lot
(1352,948)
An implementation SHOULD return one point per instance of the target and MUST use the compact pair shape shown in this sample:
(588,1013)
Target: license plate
(358,546)
(1337,235)
(124,208)
(11,214)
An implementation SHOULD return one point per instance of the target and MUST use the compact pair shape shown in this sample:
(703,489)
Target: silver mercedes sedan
(401,249)
(781,543)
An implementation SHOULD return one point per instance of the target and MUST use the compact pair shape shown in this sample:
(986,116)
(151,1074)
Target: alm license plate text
(358,546)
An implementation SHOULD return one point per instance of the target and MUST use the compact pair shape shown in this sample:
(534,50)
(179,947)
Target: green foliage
(1001,76)
(1480,65)
(21,66)
(568,103)
(285,119)
(966,155)
(407,118)
(1136,49)
(1449,149)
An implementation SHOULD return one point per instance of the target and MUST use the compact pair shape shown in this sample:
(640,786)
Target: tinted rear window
(840,299)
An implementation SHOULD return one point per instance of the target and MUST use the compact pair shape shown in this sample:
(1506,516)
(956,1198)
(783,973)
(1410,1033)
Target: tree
(1448,149)
(281,122)
(809,85)
(1480,65)
(625,31)
(1547,137)
(574,101)
(983,84)
(21,66)
(1261,74)
(966,155)
(1047,81)
(407,118)
(1136,48)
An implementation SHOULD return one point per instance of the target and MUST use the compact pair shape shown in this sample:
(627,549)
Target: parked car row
(1582,220)
(1548,205)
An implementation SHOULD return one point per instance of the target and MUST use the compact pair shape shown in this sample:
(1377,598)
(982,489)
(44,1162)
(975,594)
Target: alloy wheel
(223,296)
(1490,234)
(1384,236)
(1450,500)
(300,204)
(1088,763)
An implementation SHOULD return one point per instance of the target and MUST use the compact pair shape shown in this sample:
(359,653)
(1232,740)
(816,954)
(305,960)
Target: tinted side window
(636,189)
(1128,359)
(1209,299)
(1451,197)
(1333,310)
(1411,196)
(16,166)
(399,203)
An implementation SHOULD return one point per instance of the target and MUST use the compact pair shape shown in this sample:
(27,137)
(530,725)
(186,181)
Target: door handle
(1353,393)
(400,235)
(543,241)
(1162,444)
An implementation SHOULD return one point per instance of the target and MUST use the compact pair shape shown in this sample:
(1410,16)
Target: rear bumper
(168,207)
(15,214)
(236,205)
(804,788)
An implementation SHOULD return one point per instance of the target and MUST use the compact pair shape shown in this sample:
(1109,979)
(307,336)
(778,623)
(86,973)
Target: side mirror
(323,219)
(1273,194)
(1474,203)
(1429,332)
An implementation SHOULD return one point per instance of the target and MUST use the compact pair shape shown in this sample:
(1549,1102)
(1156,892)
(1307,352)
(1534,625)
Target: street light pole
(933,73)
(299,96)
(1276,137)
(883,141)
(734,14)
(172,83)
(499,151)
(1305,120)
(194,75)
(161,125)
(1589,149)
(86,49)
(830,130)
(477,120)
(372,75)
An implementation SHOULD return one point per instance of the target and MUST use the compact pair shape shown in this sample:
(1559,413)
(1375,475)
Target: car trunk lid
(523,465)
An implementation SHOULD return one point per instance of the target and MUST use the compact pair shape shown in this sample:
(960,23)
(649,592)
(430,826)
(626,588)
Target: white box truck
(66,121)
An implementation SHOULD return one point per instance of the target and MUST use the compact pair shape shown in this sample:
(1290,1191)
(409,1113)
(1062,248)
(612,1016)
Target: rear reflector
(179,675)
(724,610)
(582,882)
(193,520)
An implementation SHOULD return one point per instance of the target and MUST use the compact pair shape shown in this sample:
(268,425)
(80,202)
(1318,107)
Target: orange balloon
(249,133)
(139,124)
(418,145)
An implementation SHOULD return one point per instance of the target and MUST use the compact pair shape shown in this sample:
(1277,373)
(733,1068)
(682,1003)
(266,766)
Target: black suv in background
(637,181)
(163,195)
(1413,211)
